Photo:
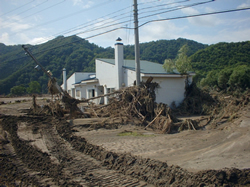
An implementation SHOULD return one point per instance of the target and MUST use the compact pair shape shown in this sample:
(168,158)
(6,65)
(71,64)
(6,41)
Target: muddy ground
(50,151)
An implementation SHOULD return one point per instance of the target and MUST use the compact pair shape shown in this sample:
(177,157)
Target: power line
(180,17)
(123,22)
(148,2)
(115,24)
(32,8)
(157,10)
(187,6)
(195,15)
(39,11)
(166,19)
(90,23)
(58,19)
(166,4)
(95,35)
(130,20)
(16,8)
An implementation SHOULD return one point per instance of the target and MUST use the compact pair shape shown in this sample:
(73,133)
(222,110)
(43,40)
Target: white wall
(129,77)
(171,89)
(106,74)
(76,77)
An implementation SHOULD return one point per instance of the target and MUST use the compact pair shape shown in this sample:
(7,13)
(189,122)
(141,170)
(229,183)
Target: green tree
(169,65)
(210,80)
(18,90)
(240,77)
(183,63)
(34,87)
(223,78)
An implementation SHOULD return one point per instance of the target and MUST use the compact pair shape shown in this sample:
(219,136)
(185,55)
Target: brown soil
(49,151)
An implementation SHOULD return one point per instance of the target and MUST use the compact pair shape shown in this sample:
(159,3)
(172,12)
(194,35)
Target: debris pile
(137,105)
(196,102)
(52,109)
(134,105)
(228,108)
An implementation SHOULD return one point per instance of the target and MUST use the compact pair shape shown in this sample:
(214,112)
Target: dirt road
(48,151)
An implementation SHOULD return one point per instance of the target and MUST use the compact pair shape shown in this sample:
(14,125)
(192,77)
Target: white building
(113,74)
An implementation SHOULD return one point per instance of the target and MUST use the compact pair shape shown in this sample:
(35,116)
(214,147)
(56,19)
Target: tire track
(81,168)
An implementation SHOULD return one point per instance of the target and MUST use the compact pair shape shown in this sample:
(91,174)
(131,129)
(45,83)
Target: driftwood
(92,98)
(154,119)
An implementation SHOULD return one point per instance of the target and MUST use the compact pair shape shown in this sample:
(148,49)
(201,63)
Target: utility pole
(137,50)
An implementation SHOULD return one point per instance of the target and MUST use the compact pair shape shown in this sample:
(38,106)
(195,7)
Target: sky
(102,21)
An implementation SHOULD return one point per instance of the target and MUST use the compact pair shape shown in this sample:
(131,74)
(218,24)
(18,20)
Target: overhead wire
(123,22)
(32,8)
(187,6)
(195,15)
(38,12)
(115,24)
(89,23)
(180,17)
(17,8)
(148,2)
(130,20)
(166,4)
(52,21)
(106,22)
(166,19)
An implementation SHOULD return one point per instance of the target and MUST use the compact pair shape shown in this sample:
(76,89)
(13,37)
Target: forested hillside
(75,55)
(221,55)
(224,66)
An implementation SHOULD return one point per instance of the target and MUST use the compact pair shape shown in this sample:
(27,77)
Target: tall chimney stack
(64,80)
(119,62)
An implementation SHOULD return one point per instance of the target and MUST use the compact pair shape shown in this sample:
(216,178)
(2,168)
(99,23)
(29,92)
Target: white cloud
(15,24)
(106,39)
(207,21)
(4,38)
(36,41)
(244,5)
(160,30)
(83,3)
(225,35)
(77,2)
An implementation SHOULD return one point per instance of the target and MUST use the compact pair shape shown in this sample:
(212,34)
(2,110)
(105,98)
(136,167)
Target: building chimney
(64,80)
(119,62)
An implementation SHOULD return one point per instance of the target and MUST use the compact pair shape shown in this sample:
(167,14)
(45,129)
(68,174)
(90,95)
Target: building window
(91,93)
(78,93)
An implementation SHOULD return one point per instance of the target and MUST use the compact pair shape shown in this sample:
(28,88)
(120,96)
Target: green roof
(145,66)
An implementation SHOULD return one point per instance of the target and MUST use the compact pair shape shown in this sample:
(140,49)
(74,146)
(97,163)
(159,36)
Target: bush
(18,90)
(34,87)
(240,78)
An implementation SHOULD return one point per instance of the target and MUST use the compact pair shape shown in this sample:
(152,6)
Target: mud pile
(15,171)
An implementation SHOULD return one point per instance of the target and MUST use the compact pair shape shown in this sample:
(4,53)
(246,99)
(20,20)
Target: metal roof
(145,66)
(94,78)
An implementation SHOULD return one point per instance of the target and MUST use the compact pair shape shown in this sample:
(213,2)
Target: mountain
(76,55)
